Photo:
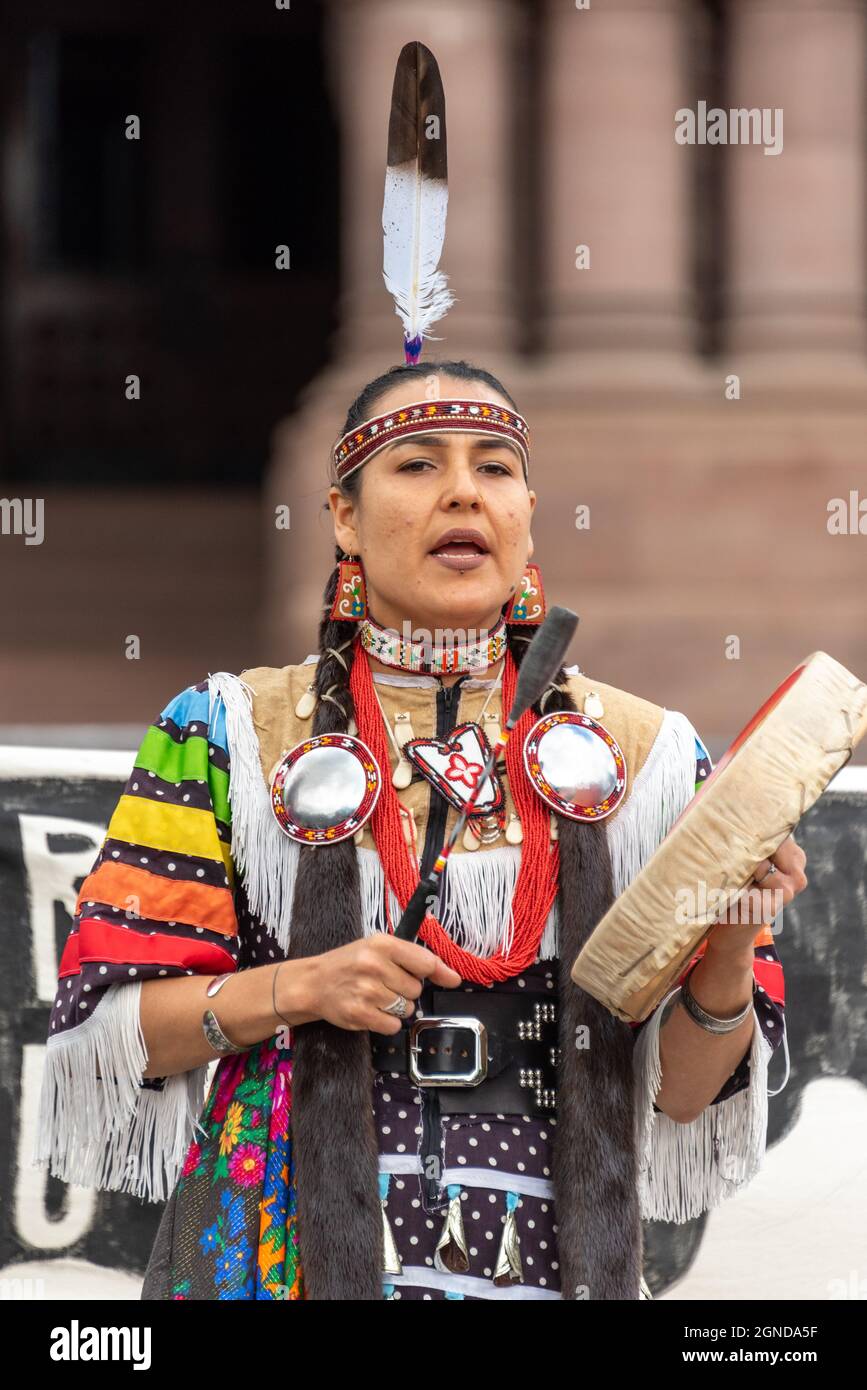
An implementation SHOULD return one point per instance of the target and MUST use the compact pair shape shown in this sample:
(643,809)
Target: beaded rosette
(575,765)
(325,788)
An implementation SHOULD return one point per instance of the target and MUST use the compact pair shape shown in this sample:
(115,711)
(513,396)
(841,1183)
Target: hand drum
(777,767)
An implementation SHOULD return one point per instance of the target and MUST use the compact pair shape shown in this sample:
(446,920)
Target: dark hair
(364,405)
(327,913)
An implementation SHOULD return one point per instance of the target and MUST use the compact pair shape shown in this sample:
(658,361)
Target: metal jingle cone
(390,1259)
(508,1269)
(452,1255)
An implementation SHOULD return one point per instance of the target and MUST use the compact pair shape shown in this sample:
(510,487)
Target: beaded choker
(432,655)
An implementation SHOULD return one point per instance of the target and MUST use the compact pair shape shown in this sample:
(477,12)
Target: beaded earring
(528,601)
(350,600)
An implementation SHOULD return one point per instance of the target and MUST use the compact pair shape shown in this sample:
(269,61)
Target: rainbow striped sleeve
(158,902)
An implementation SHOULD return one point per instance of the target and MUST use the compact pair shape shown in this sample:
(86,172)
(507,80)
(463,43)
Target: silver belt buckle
(477,1068)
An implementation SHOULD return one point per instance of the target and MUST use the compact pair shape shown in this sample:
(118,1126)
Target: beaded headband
(475,417)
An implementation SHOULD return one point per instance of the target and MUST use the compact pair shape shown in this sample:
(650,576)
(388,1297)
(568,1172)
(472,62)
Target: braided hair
(333,1129)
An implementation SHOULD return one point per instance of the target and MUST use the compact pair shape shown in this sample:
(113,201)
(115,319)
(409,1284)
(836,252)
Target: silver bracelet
(215,1036)
(709,1022)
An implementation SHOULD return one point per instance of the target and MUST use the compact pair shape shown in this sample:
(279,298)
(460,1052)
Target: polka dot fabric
(488,1155)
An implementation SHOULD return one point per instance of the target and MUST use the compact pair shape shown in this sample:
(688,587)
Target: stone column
(616,180)
(796,219)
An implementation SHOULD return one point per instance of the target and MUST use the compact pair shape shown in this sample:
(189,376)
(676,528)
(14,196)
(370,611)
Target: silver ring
(398,1008)
(771,870)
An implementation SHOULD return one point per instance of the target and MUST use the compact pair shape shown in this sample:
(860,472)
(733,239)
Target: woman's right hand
(352,985)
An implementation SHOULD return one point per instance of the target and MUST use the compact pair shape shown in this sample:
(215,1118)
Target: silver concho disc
(325,788)
(576,765)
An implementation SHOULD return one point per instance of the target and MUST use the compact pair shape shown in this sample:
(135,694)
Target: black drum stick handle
(419,905)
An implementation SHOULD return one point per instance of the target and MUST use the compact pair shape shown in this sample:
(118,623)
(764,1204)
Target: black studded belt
(484,1053)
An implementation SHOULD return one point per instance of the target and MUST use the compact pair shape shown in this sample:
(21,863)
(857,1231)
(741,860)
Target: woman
(321,1168)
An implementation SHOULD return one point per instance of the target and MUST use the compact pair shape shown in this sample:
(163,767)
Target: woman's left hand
(762,901)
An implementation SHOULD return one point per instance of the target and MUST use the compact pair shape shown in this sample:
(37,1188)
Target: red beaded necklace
(536,887)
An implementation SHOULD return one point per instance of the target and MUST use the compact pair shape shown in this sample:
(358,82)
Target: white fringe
(549,945)
(475,902)
(663,787)
(685,1169)
(111,1133)
(476,893)
(372,878)
(266,857)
